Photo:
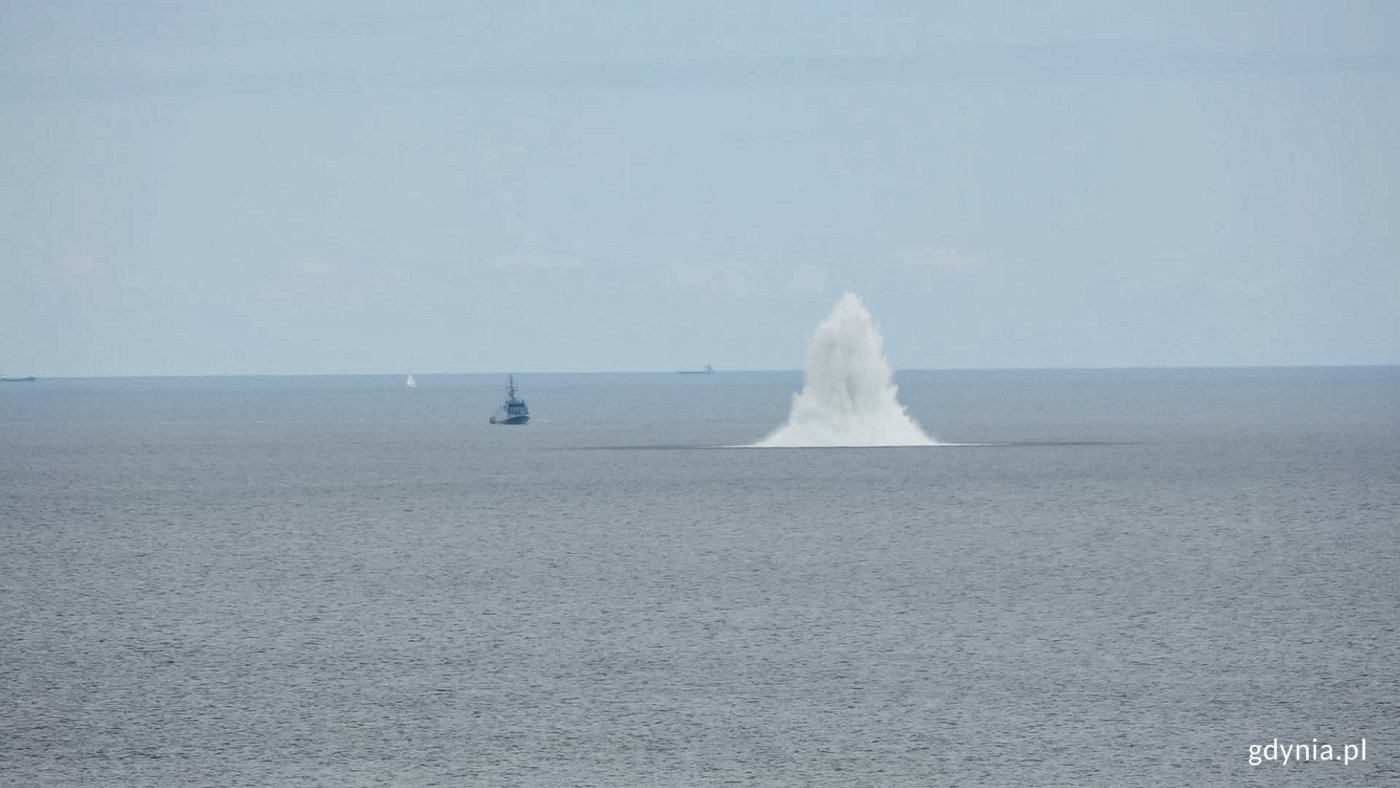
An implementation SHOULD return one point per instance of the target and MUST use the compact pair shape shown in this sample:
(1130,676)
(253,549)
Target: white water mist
(848,396)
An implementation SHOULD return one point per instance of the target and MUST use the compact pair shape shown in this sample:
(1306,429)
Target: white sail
(411,383)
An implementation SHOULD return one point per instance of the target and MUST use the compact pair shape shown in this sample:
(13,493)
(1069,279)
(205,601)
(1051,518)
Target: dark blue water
(339,581)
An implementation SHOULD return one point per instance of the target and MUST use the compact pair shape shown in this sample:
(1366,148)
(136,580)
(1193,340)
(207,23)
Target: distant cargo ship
(708,370)
(29,379)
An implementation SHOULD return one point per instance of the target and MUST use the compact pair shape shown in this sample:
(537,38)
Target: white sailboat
(411,383)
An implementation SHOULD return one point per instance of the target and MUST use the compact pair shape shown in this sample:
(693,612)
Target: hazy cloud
(533,263)
(316,284)
(806,280)
(80,270)
(722,279)
(931,264)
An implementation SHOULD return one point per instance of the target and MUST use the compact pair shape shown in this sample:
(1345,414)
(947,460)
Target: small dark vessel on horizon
(708,370)
(29,379)
(513,410)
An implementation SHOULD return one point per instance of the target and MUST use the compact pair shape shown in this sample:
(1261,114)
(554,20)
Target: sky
(201,188)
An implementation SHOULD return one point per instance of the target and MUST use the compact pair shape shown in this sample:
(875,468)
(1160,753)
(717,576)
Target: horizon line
(718,371)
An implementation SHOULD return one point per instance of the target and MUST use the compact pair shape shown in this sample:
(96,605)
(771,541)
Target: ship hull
(511,420)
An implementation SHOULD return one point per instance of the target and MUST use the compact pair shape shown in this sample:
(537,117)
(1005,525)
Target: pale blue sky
(226,188)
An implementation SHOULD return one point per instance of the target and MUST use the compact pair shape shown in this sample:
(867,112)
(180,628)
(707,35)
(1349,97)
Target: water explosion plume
(848,397)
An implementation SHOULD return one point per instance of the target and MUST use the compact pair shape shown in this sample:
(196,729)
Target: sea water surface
(341,581)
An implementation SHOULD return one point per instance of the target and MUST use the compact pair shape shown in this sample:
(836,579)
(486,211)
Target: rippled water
(338,581)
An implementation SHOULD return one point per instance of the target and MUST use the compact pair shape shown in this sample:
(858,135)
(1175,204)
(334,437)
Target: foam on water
(848,397)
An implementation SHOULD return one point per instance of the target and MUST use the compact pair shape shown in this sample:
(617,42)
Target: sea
(1115,578)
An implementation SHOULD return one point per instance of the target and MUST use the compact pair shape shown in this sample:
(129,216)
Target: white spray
(848,397)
